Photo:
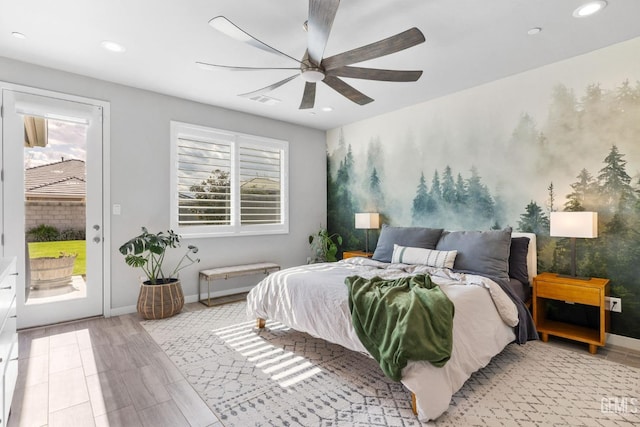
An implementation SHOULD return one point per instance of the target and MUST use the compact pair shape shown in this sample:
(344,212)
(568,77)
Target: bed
(488,313)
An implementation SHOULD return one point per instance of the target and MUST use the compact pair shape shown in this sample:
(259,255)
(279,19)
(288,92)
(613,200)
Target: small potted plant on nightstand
(160,295)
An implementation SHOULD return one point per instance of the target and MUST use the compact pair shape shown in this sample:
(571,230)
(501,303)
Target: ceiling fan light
(312,75)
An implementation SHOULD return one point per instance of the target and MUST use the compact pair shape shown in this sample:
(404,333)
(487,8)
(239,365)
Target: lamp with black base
(367,221)
(574,225)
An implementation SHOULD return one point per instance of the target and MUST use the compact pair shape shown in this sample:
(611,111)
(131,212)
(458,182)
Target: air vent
(267,100)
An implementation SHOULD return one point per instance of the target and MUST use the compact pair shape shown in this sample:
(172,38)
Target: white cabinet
(8,336)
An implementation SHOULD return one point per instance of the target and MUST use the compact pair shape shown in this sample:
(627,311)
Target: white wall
(139,173)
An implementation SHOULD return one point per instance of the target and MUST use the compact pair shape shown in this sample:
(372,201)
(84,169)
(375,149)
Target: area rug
(281,377)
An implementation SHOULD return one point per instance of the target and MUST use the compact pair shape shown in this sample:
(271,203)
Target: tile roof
(66,178)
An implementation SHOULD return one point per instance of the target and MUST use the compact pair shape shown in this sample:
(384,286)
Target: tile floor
(109,372)
(101,372)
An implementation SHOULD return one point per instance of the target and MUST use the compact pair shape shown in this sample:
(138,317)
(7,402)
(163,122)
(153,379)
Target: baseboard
(123,310)
(622,341)
(187,299)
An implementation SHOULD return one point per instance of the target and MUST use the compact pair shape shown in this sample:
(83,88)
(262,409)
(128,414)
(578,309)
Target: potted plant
(161,294)
(323,246)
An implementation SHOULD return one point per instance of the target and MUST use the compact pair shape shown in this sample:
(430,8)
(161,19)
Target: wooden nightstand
(351,254)
(548,286)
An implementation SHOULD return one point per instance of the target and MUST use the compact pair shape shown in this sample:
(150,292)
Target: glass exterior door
(52,158)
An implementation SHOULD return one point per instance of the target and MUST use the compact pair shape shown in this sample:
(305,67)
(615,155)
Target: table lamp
(367,221)
(574,225)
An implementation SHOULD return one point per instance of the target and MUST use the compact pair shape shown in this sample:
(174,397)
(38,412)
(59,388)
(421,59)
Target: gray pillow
(518,268)
(480,252)
(416,237)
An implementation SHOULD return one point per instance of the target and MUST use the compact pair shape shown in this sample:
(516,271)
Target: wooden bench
(232,271)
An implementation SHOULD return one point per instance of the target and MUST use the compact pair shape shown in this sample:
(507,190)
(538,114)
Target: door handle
(96,227)
(97,239)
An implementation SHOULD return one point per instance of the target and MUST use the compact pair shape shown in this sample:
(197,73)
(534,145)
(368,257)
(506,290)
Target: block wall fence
(60,214)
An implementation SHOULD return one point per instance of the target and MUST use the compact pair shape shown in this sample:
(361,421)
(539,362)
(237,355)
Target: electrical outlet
(613,304)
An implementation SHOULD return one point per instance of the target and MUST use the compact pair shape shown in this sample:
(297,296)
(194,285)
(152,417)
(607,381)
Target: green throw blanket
(400,320)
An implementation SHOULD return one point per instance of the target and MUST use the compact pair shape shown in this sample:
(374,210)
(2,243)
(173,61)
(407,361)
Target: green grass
(53,249)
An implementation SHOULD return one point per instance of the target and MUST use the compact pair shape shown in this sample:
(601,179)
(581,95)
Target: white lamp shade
(574,224)
(367,220)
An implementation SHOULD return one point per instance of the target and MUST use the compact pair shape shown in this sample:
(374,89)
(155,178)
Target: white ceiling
(469,42)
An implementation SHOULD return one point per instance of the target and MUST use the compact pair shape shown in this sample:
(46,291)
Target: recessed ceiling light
(112,46)
(18,35)
(589,9)
(533,31)
(327,109)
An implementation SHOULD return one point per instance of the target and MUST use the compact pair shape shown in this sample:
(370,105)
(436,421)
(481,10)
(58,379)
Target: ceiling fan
(313,67)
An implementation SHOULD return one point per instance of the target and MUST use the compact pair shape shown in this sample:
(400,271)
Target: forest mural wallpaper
(564,137)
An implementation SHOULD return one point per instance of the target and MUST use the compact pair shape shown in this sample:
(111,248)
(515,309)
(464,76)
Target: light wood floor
(109,372)
(102,372)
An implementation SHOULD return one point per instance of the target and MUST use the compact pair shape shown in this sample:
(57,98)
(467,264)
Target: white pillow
(432,258)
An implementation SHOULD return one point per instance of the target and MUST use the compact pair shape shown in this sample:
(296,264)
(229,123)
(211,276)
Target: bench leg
(414,405)
(260,323)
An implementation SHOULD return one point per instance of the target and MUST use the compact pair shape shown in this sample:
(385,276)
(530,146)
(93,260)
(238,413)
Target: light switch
(117,209)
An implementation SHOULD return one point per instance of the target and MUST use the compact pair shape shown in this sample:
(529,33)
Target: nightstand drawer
(567,292)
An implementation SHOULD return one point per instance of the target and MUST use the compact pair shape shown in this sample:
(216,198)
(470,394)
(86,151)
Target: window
(227,183)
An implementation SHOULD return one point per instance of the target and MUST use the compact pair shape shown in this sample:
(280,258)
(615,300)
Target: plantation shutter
(204,182)
(260,184)
(225,183)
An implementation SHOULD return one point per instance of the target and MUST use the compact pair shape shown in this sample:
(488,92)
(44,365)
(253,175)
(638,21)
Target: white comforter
(313,299)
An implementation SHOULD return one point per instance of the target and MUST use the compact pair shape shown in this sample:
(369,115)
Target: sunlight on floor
(58,375)
(282,366)
(76,289)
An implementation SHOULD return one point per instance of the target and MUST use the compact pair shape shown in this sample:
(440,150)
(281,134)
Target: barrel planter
(161,300)
(51,272)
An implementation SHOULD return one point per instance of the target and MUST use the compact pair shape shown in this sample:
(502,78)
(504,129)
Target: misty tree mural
(467,161)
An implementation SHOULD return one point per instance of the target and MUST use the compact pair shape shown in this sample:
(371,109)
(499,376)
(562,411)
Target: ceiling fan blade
(309,96)
(230,29)
(321,16)
(346,90)
(268,88)
(213,67)
(376,74)
(400,41)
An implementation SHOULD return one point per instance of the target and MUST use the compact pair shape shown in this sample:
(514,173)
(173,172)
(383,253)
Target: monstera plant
(161,294)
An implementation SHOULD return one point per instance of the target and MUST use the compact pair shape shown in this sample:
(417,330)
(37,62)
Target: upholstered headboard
(532,254)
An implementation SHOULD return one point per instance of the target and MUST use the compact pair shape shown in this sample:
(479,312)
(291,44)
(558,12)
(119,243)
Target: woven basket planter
(160,301)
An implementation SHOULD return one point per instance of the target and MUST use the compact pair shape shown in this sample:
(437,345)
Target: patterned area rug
(281,377)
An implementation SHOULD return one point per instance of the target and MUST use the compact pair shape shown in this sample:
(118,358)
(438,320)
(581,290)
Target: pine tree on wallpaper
(585,192)
(534,220)
(377,196)
(460,198)
(423,204)
(448,187)
(436,189)
(614,182)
